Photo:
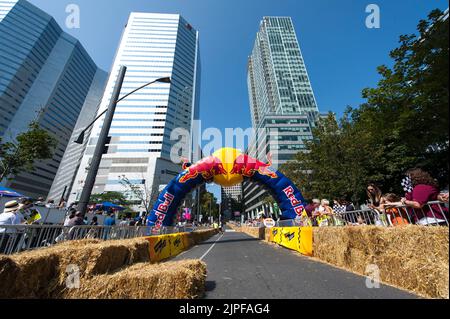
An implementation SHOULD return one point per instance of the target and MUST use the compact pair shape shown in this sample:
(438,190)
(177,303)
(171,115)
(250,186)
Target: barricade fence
(432,214)
(19,238)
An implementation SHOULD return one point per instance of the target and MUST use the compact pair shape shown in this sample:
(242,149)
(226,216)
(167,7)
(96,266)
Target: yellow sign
(296,238)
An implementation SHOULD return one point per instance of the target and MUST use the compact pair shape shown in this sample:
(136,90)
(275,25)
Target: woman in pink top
(425,190)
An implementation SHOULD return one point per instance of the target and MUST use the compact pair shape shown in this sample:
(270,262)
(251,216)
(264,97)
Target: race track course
(241,267)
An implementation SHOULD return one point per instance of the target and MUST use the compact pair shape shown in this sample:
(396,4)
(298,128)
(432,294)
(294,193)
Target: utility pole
(100,148)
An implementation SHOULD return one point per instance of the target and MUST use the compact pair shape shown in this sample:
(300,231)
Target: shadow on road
(210,286)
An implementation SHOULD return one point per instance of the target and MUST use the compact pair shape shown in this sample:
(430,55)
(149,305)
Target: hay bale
(42,273)
(411,257)
(8,271)
(172,280)
(32,274)
(200,236)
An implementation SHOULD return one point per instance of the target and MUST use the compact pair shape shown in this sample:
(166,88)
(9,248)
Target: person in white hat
(9,217)
(12,214)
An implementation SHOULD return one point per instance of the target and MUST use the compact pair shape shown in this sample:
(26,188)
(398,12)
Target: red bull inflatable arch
(226,167)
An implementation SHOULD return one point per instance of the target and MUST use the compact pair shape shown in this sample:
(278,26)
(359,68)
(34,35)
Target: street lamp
(80,139)
(103,137)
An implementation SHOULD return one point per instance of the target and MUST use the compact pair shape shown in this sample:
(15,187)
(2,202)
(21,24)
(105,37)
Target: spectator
(94,221)
(77,220)
(312,207)
(375,196)
(424,189)
(110,220)
(324,213)
(51,204)
(40,202)
(397,216)
(62,205)
(11,216)
(70,216)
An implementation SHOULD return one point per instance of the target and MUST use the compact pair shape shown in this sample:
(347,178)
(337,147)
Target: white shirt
(7,219)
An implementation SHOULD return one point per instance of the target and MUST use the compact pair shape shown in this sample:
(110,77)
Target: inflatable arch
(226,167)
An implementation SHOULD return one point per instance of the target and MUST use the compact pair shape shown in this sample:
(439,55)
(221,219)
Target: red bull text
(163,210)
(297,204)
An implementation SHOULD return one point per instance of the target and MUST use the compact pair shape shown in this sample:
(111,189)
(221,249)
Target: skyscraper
(152,46)
(282,102)
(45,75)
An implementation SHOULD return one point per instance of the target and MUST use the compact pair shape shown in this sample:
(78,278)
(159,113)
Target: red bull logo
(163,210)
(297,204)
(248,166)
(208,168)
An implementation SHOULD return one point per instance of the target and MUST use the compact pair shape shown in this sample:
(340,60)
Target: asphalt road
(241,267)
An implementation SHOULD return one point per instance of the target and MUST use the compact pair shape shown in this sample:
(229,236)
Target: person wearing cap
(9,217)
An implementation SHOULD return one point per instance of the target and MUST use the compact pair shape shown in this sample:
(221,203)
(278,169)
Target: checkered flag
(407,185)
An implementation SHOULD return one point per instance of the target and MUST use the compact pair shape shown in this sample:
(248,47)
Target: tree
(208,204)
(112,197)
(20,154)
(403,124)
(145,194)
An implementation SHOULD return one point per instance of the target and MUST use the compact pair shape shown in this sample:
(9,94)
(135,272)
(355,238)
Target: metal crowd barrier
(19,238)
(391,216)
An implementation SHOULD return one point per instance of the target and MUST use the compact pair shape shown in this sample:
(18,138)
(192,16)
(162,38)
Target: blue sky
(341,54)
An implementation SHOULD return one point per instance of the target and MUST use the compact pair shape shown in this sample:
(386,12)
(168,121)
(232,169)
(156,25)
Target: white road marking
(211,248)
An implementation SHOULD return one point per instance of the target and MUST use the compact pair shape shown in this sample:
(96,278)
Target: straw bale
(172,280)
(41,273)
(411,257)
(8,269)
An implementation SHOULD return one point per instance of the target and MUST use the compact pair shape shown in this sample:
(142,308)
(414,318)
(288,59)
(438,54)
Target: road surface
(241,267)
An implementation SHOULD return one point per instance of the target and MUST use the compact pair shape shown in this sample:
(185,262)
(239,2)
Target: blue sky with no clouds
(341,54)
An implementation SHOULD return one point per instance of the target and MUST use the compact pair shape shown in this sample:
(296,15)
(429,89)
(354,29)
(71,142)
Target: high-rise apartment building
(45,75)
(283,106)
(152,46)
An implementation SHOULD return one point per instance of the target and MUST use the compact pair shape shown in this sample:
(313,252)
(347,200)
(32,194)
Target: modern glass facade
(152,46)
(282,103)
(45,75)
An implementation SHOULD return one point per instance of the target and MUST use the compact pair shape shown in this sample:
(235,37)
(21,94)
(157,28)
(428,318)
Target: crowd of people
(423,203)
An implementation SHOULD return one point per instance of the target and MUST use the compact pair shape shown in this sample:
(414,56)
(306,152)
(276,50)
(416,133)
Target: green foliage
(403,124)
(19,156)
(112,197)
(208,205)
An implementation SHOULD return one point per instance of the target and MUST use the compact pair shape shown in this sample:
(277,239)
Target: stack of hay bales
(42,273)
(411,257)
(173,280)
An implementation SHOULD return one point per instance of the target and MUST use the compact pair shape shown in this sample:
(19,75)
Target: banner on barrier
(296,238)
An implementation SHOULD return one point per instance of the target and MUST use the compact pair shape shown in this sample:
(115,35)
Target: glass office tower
(283,106)
(152,46)
(45,75)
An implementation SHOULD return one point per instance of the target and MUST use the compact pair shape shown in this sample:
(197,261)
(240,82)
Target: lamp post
(100,148)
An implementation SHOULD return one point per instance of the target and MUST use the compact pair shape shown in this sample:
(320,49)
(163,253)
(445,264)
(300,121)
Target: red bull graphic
(226,164)
(248,166)
(296,203)
(207,168)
